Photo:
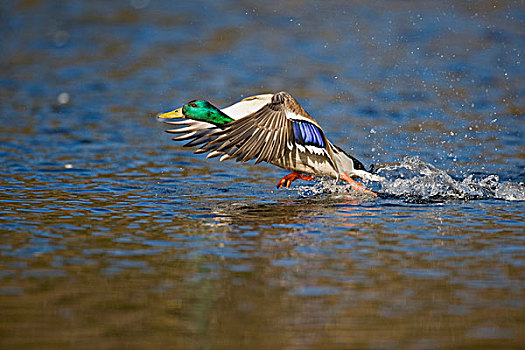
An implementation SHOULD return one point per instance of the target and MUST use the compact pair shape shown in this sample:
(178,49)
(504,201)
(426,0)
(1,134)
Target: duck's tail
(368,175)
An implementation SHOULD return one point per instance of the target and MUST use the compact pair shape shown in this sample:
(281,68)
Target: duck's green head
(199,110)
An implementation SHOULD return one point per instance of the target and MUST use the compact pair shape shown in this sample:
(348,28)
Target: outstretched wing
(276,130)
(263,135)
(269,134)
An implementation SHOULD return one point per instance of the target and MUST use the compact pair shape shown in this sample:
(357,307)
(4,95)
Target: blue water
(112,235)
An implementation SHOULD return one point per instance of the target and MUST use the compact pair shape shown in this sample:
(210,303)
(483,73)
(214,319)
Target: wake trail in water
(416,181)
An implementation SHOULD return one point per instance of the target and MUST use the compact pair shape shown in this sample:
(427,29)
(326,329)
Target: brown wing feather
(262,135)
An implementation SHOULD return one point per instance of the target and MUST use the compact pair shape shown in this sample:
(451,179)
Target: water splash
(416,181)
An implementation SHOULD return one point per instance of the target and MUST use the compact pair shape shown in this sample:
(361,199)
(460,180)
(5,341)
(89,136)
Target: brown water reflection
(327,272)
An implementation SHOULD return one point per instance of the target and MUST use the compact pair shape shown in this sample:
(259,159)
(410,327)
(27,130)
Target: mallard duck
(271,128)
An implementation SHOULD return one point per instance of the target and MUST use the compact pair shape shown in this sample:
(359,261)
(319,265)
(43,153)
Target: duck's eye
(193,104)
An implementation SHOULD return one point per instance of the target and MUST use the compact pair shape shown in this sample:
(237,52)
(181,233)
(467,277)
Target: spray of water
(416,181)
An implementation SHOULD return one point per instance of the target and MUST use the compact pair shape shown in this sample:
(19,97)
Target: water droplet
(60,38)
(63,98)
(139,4)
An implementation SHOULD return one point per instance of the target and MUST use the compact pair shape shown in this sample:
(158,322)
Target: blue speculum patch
(307,134)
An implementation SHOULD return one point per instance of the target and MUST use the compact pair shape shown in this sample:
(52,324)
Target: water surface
(113,236)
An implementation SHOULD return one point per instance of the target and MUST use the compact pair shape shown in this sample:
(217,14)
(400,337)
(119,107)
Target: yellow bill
(171,115)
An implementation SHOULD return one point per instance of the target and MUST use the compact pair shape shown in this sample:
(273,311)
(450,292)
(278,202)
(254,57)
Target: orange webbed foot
(357,186)
(288,179)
